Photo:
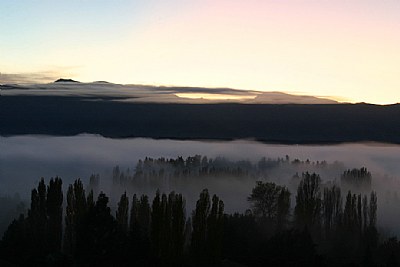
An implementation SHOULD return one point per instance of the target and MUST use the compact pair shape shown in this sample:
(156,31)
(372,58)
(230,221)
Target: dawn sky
(346,49)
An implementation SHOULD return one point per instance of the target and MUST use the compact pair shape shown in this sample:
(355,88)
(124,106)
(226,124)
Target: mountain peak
(61,80)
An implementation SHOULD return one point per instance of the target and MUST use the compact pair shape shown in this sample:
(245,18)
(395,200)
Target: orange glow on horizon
(215,96)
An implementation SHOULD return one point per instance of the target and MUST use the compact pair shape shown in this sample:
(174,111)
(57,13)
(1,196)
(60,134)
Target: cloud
(150,94)
(36,77)
(23,78)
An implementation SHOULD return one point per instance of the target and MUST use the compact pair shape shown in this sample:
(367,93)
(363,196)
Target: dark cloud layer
(39,84)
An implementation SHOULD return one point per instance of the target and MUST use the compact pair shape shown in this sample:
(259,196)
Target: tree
(373,206)
(283,208)
(332,208)
(156,223)
(54,214)
(139,225)
(199,224)
(133,223)
(350,215)
(215,228)
(39,234)
(365,212)
(94,183)
(122,214)
(308,201)
(37,221)
(168,226)
(97,233)
(16,243)
(271,202)
(116,175)
(178,222)
(144,215)
(264,199)
(207,223)
(357,180)
(74,214)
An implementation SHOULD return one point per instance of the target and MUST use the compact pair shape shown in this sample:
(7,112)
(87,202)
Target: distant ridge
(61,80)
(105,82)
(46,114)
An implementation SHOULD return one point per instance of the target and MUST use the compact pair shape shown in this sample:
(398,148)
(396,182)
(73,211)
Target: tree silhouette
(264,199)
(215,222)
(16,243)
(54,210)
(144,216)
(161,235)
(271,203)
(156,224)
(199,223)
(38,220)
(332,209)
(373,206)
(122,214)
(178,222)
(207,223)
(357,180)
(97,233)
(308,201)
(133,221)
(39,234)
(75,211)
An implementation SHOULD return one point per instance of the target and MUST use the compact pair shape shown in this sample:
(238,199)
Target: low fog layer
(24,159)
(157,94)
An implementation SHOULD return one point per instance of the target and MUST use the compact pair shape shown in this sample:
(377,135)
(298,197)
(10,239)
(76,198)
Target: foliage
(327,230)
(271,202)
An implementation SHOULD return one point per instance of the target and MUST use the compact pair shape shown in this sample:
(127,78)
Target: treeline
(142,231)
(357,180)
(152,171)
(343,228)
(10,208)
(325,228)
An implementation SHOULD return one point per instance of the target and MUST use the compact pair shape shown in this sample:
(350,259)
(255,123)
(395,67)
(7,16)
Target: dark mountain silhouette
(104,82)
(61,80)
(286,123)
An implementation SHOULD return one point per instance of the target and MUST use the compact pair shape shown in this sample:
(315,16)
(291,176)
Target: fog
(24,159)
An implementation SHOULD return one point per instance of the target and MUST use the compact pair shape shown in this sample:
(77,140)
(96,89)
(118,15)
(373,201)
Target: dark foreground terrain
(55,115)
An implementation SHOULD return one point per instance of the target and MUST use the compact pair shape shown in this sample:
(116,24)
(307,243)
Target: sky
(345,50)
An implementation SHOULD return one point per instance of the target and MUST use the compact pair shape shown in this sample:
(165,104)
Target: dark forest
(317,224)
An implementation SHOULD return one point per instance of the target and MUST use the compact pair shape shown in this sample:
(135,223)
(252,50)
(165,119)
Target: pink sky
(345,49)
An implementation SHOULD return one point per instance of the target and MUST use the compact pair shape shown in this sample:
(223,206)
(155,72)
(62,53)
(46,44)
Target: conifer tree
(156,223)
(75,211)
(177,225)
(133,221)
(54,214)
(215,228)
(308,201)
(122,214)
(332,208)
(373,206)
(283,208)
(144,217)
(199,224)
(365,212)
